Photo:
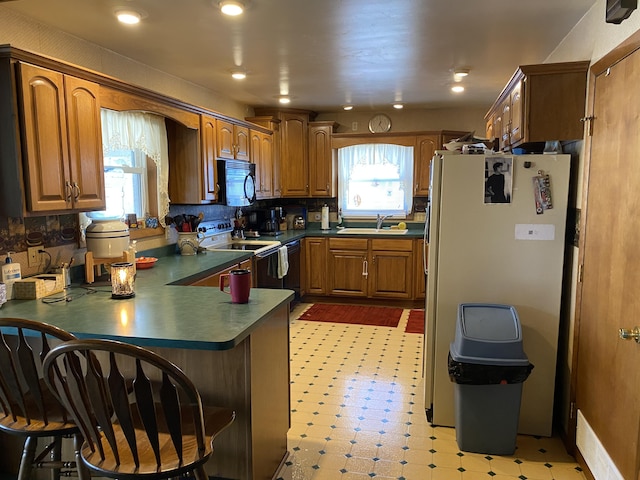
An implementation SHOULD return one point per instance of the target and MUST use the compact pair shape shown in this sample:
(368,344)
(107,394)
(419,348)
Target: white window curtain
(375,178)
(146,132)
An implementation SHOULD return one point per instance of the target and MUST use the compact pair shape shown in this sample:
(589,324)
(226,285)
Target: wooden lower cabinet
(348,267)
(420,250)
(370,268)
(315,266)
(391,269)
(214,280)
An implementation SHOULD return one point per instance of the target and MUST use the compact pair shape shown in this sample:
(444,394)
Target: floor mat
(356,314)
(415,323)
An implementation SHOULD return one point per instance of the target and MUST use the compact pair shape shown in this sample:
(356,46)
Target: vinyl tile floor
(357,413)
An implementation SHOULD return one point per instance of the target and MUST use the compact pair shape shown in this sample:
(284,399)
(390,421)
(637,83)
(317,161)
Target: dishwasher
(290,281)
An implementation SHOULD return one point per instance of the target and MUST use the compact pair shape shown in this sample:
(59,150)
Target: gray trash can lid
(488,334)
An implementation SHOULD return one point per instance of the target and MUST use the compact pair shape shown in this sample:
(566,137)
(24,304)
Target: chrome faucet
(380,219)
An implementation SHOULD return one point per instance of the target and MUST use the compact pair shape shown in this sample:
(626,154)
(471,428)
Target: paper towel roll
(325,218)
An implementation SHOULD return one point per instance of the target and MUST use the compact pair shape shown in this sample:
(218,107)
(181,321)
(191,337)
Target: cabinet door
(224,140)
(262,156)
(241,142)
(208,153)
(516,132)
(266,159)
(232,141)
(505,110)
(294,157)
(426,146)
(348,267)
(489,129)
(315,266)
(420,253)
(391,269)
(85,144)
(46,175)
(322,162)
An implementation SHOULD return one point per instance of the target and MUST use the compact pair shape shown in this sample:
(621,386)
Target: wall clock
(379,123)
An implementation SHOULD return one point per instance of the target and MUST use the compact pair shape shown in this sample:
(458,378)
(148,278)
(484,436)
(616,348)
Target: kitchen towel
(283,261)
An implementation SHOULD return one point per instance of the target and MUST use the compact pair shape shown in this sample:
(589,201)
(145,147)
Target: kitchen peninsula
(237,355)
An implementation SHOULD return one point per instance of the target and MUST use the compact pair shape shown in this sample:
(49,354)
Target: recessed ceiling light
(460,73)
(348,107)
(457,89)
(398,106)
(231,7)
(239,74)
(284,99)
(129,17)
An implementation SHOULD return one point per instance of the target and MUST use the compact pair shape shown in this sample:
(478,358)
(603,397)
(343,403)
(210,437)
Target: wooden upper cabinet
(291,145)
(540,103)
(262,156)
(426,145)
(209,168)
(232,141)
(273,124)
(63,161)
(294,156)
(192,165)
(323,163)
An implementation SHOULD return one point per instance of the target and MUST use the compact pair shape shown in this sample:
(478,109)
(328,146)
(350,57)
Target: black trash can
(488,366)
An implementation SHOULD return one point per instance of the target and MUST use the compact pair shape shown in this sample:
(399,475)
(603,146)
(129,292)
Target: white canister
(107,238)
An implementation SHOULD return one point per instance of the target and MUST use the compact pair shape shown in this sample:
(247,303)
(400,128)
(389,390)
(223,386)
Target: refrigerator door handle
(425,238)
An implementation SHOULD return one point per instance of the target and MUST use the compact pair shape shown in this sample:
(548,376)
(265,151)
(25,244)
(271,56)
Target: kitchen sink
(372,231)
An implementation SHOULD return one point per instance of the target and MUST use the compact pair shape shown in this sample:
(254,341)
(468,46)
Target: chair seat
(216,419)
(56,419)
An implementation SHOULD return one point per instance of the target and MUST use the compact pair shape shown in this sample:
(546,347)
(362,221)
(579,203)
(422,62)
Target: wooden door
(426,146)
(241,143)
(348,267)
(420,253)
(516,114)
(316,265)
(391,274)
(224,139)
(322,165)
(85,143)
(294,158)
(45,138)
(607,378)
(208,153)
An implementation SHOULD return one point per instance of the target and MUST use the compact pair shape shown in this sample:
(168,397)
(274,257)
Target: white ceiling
(326,53)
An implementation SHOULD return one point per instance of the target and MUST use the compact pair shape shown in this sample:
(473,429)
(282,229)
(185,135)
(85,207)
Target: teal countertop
(165,311)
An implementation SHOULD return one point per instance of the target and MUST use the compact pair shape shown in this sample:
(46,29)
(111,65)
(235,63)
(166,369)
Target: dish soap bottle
(11,272)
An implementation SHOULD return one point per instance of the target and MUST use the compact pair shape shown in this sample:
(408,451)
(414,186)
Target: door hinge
(589,121)
(580,272)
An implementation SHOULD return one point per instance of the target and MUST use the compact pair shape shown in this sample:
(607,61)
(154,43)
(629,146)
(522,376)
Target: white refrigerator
(495,233)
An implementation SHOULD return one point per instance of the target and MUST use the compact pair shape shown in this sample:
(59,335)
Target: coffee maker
(266,221)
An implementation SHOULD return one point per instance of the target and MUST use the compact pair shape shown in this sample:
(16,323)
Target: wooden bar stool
(29,408)
(140,416)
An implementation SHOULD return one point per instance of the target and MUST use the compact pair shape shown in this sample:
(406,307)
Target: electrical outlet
(35,257)
(354,126)
(317,216)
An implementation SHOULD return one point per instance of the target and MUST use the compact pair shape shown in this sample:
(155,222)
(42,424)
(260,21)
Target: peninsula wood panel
(253,380)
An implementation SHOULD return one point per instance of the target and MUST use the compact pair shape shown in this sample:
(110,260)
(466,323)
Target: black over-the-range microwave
(237,182)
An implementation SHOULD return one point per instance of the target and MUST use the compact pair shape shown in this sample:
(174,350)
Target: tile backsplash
(17,234)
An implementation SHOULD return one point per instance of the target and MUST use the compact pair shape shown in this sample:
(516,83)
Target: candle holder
(122,280)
